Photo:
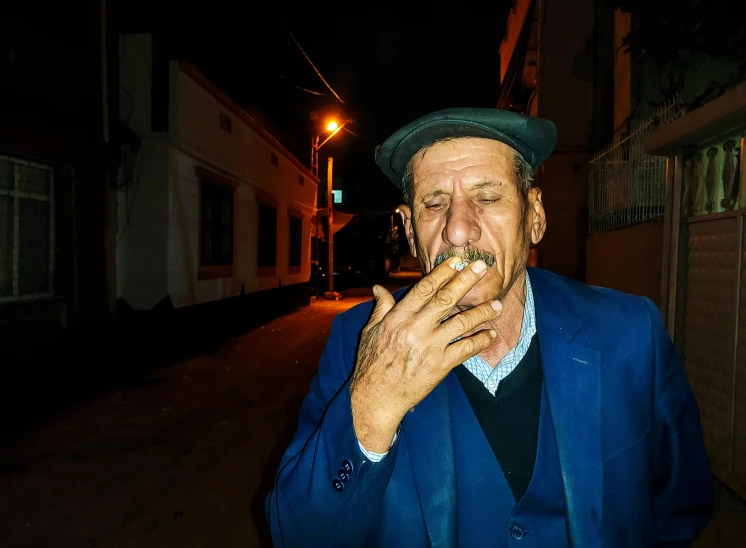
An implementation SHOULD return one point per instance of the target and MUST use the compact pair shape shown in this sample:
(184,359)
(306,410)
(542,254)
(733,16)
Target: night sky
(389,62)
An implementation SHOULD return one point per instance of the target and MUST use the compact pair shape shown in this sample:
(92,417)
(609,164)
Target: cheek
(428,239)
(509,245)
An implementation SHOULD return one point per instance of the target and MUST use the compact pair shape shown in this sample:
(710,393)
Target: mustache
(468,253)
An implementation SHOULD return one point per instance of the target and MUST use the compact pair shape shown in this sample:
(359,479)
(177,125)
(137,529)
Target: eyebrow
(433,194)
(484,184)
(488,183)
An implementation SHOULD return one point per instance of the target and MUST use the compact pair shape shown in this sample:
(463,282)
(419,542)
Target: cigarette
(460,266)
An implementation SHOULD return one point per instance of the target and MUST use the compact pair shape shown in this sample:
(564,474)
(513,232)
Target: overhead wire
(312,92)
(318,73)
(348,130)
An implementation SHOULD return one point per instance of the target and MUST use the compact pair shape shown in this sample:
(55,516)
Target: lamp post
(334,128)
(330,216)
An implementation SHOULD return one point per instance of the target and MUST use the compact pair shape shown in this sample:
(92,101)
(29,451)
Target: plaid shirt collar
(490,376)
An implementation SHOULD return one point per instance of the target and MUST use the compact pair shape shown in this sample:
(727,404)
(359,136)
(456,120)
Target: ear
(406,219)
(538,216)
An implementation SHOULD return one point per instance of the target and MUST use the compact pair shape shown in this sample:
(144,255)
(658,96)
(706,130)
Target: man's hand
(405,348)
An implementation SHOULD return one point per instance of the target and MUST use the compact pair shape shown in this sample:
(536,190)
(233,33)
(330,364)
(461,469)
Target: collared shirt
(491,376)
(483,371)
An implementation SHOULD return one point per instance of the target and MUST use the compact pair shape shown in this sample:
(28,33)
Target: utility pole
(330,216)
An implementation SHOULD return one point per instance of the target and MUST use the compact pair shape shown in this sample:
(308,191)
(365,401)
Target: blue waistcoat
(484,497)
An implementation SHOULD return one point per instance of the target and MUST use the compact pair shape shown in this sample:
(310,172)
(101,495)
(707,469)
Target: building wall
(564,193)
(564,96)
(244,156)
(622,72)
(184,285)
(135,78)
(629,259)
(513,27)
(143,227)
(52,112)
(159,215)
(566,70)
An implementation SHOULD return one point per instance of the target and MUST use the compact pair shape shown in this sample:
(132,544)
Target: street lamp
(334,128)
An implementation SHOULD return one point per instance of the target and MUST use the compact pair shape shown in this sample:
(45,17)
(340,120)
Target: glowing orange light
(397,210)
(331,126)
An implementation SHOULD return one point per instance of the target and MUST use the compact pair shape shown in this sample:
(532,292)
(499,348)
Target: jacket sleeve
(683,481)
(326,492)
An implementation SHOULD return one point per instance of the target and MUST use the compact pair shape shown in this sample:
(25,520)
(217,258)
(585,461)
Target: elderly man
(491,404)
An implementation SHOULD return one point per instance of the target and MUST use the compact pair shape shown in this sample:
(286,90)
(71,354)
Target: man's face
(467,202)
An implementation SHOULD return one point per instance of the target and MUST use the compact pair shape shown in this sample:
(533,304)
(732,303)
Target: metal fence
(626,185)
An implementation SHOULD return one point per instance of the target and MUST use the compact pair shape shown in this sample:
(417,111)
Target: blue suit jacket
(634,468)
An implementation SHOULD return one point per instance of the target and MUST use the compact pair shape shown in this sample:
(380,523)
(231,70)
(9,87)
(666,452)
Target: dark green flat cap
(533,137)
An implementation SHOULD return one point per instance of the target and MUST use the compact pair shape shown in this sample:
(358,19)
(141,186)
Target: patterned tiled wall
(710,325)
(739,454)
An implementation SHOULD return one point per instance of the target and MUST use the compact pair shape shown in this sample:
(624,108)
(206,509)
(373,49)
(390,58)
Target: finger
(428,286)
(384,303)
(468,347)
(464,322)
(451,293)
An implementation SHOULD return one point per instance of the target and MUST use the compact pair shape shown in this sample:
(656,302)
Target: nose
(461,224)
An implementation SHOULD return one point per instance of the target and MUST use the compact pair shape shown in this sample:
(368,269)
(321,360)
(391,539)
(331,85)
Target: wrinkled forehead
(485,157)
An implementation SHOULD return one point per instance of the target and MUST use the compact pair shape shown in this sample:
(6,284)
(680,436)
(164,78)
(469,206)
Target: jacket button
(347,466)
(516,532)
(338,487)
(343,476)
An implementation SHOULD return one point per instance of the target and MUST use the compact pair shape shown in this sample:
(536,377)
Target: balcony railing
(627,186)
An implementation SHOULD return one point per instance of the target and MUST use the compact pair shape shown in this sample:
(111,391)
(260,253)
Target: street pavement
(186,458)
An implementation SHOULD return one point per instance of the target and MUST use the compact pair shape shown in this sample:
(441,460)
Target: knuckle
(460,323)
(479,342)
(487,311)
(409,339)
(426,286)
(476,342)
(444,297)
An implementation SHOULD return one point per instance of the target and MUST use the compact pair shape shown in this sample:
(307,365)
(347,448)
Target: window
(337,196)
(296,242)
(267,245)
(216,225)
(27,240)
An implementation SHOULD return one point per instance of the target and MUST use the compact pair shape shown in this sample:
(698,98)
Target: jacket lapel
(429,443)
(572,378)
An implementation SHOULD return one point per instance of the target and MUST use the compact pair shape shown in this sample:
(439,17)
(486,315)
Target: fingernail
(479,266)
(375,290)
(497,306)
(493,333)
(454,261)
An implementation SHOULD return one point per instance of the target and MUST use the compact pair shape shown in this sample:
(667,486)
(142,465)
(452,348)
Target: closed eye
(434,207)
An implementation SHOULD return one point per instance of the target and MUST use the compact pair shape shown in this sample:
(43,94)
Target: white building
(211,206)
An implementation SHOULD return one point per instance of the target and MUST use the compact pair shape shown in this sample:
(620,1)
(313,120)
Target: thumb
(384,303)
